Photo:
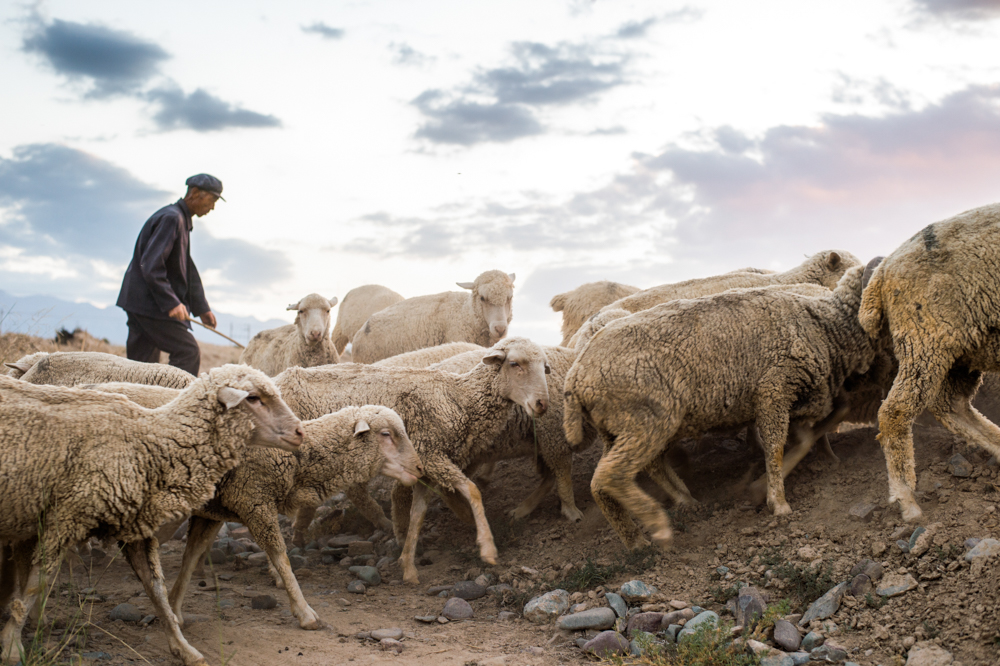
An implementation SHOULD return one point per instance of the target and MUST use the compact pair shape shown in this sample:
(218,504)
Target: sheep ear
(558,302)
(511,276)
(230,397)
(361,427)
(20,367)
(333,301)
(495,357)
(548,369)
(465,285)
(833,261)
(293,306)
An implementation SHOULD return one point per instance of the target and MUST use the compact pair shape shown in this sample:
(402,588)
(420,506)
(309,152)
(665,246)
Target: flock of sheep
(98,446)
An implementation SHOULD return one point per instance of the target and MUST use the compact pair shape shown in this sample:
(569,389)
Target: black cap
(203,181)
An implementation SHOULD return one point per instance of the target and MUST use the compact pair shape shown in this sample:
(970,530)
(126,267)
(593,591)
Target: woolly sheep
(306,343)
(422,358)
(481,317)
(582,303)
(23,364)
(934,300)
(348,447)
(141,394)
(452,419)
(72,368)
(824,268)
(84,463)
(358,305)
(683,368)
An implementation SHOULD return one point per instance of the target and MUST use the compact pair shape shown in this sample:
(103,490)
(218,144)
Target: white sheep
(358,305)
(422,358)
(81,463)
(580,304)
(23,364)
(73,368)
(305,344)
(480,317)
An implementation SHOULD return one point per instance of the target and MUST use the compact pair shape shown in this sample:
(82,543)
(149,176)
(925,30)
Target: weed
(952,552)
(710,645)
(637,561)
(772,614)
(807,584)
(931,630)
(723,594)
(875,601)
(590,575)
(771,557)
(506,532)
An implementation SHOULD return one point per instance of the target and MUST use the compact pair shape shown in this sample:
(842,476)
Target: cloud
(76,217)
(967,10)
(114,61)
(638,29)
(404,54)
(634,29)
(202,112)
(501,104)
(324,31)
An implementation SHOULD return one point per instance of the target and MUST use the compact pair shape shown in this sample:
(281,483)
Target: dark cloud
(404,54)
(114,61)
(324,31)
(202,112)
(65,203)
(638,29)
(634,29)
(968,10)
(500,104)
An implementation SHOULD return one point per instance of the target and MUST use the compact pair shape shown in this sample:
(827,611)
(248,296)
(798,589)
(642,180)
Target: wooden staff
(190,318)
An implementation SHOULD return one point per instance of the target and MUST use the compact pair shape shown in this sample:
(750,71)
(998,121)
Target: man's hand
(208,319)
(180,313)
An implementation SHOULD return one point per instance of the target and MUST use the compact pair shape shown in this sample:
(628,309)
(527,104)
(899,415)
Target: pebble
(894,585)
(216,556)
(860,586)
(227,603)
(777,660)
(912,542)
(672,631)
(468,590)
(677,604)
(425,618)
(263,602)
(722,571)
(595,618)
(369,575)
(635,591)
(800,658)
(983,548)
(697,621)
(959,466)
(257,558)
(869,568)
(829,653)
(786,635)
(356,587)
(328,559)
(435,590)
(394,633)
(649,623)
(677,617)
(457,609)
(617,604)
(926,653)
(356,548)
(384,562)
(391,645)
(296,561)
(148,620)
(606,644)
(825,606)
(485,580)
(343,602)
(94,656)
(862,512)
(506,616)
(547,607)
(126,612)
(812,640)
(750,607)
(501,589)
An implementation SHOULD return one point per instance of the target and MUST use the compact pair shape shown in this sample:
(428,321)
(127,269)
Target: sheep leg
(665,477)
(367,506)
(21,581)
(614,478)
(614,512)
(531,502)
(772,424)
(953,408)
(484,537)
(402,497)
(458,506)
(144,557)
(263,525)
(485,472)
(828,450)
(300,528)
(917,383)
(201,534)
(418,510)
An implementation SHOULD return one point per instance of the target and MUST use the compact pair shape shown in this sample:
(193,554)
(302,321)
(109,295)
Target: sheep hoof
(573,513)
(314,625)
(488,554)
(663,537)
(517,513)
(782,509)
(912,513)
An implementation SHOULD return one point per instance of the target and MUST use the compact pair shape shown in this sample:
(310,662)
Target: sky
(417,144)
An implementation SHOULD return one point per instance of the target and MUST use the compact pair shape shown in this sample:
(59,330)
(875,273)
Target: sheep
(481,317)
(934,299)
(358,305)
(583,302)
(81,463)
(347,447)
(72,368)
(452,419)
(422,358)
(306,343)
(23,364)
(682,368)
(141,394)
(824,268)
(595,323)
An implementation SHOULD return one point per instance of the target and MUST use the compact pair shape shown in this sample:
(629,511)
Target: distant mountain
(44,315)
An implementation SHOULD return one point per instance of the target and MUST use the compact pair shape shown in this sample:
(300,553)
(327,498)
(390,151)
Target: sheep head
(397,458)
(492,295)
(831,266)
(243,387)
(521,368)
(313,318)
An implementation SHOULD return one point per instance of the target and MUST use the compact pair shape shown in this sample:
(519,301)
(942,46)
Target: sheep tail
(871,314)
(573,419)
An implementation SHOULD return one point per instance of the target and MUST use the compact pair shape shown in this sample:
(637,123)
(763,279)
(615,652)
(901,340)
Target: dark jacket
(162,274)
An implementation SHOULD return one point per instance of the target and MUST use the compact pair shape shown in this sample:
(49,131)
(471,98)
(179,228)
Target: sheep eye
(386,433)
(253,398)
(514,364)
(482,298)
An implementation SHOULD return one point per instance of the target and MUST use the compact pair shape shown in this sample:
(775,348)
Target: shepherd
(162,288)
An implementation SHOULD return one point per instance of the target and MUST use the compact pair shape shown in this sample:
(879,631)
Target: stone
(607,644)
(94,656)
(825,606)
(356,587)
(677,604)
(296,561)
(369,575)
(812,640)
(636,592)
(391,645)
(428,619)
(302,574)
(148,620)
(911,542)
(677,617)
(904,546)
(750,607)
(692,625)
(860,586)
(616,603)
(595,618)
(808,553)
(356,548)
(384,562)
(457,609)
(484,580)
(777,660)
(722,571)
(468,590)
(828,653)
(649,623)
(342,540)
(126,612)
(800,658)
(506,616)
(926,653)
(216,556)
(671,632)
(894,585)
(786,636)
(263,602)
(869,568)
(862,512)
(435,590)
(394,633)
(959,466)
(984,548)
(257,558)
(547,607)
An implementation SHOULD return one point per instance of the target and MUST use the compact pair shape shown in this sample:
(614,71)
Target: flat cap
(203,181)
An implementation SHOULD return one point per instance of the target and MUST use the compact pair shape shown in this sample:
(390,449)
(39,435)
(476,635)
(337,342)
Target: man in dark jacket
(162,285)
